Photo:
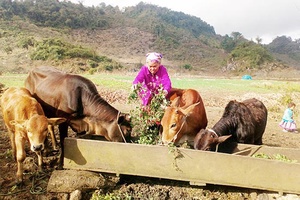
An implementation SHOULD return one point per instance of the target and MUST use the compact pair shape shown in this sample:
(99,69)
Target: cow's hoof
(59,167)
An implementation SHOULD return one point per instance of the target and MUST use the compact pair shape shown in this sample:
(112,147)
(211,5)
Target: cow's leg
(63,133)
(40,160)
(20,157)
(13,144)
(53,139)
(258,141)
(245,134)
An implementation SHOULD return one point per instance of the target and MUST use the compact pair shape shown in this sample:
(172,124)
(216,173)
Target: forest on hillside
(191,40)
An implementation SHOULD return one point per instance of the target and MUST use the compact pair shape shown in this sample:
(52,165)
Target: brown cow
(184,118)
(243,122)
(77,99)
(25,121)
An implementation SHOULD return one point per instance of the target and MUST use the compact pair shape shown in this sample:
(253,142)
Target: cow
(26,122)
(242,122)
(184,118)
(76,98)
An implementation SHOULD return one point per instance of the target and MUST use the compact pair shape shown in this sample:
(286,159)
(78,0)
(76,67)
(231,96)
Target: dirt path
(146,188)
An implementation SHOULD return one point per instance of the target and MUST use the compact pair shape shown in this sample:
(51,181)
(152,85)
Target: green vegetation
(251,55)
(278,157)
(56,49)
(187,67)
(246,55)
(120,81)
(144,12)
(13,80)
(183,38)
(66,14)
(146,119)
(54,13)
(116,81)
(285,45)
(97,195)
(230,42)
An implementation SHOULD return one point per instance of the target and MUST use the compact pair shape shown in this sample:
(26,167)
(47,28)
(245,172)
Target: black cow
(244,122)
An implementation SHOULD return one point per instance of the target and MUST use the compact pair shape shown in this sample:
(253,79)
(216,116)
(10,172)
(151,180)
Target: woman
(152,77)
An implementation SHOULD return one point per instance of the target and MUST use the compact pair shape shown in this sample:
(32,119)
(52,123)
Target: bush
(92,71)
(187,67)
(146,119)
(8,49)
(92,63)
(56,49)
(109,68)
(286,99)
(26,42)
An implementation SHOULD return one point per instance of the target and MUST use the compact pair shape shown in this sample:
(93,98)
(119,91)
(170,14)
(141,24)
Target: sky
(266,19)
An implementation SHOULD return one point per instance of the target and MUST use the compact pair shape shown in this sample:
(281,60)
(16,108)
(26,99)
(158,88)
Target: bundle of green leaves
(146,119)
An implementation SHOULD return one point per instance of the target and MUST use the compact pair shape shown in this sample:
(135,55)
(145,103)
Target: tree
(258,40)
(228,44)
(236,36)
(251,55)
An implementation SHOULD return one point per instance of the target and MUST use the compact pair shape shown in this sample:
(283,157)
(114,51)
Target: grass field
(120,81)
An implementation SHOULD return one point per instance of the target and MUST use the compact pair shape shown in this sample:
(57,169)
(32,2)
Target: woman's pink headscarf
(153,57)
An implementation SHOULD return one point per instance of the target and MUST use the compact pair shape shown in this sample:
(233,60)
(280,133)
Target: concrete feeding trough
(239,168)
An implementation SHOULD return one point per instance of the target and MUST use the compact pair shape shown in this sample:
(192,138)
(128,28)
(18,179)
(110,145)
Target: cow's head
(124,127)
(173,123)
(116,130)
(35,129)
(208,140)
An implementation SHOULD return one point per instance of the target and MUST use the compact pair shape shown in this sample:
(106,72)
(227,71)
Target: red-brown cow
(184,118)
(77,99)
(243,122)
(25,121)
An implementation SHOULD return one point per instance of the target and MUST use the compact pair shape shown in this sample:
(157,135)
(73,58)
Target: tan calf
(25,121)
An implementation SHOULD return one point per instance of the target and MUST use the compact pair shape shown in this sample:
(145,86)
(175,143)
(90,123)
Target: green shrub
(92,71)
(146,119)
(26,42)
(56,49)
(286,99)
(92,63)
(97,195)
(109,68)
(8,49)
(79,52)
(187,67)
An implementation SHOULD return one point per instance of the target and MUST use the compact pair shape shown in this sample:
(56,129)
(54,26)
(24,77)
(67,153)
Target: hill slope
(187,42)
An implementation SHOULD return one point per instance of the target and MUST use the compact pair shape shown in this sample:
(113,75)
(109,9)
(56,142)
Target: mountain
(33,28)
(287,50)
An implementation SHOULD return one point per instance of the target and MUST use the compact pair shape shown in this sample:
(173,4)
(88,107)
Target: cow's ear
(175,102)
(18,123)
(124,118)
(187,110)
(199,135)
(127,117)
(223,138)
(56,121)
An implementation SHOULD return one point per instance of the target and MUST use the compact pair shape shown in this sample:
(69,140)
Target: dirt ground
(129,187)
